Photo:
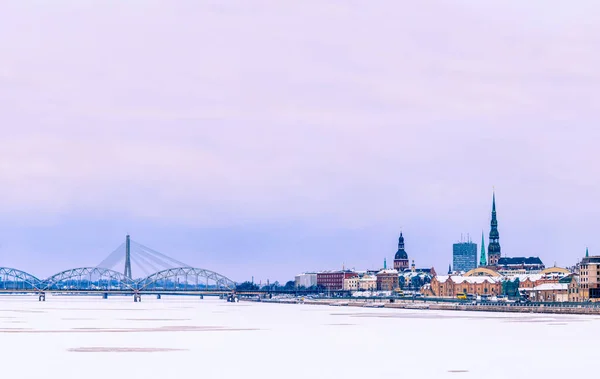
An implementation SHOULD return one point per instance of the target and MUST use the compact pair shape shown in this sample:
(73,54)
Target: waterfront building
(351,283)
(414,280)
(512,265)
(306,280)
(401,257)
(550,292)
(367,283)
(387,280)
(589,278)
(573,287)
(525,283)
(334,280)
(452,285)
(464,256)
(494,251)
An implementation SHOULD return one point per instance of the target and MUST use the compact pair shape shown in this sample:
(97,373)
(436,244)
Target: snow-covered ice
(88,337)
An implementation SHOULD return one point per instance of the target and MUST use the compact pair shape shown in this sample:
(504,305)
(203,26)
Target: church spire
(401,258)
(401,242)
(449,269)
(482,259)
(587,253)
(494,251)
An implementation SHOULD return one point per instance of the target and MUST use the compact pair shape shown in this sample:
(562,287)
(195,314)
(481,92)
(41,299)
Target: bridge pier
(137,298)
(201,297)
(158,297)
(42,296)
(105,295)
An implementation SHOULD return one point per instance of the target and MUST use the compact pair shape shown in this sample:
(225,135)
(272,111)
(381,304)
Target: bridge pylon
(127,271)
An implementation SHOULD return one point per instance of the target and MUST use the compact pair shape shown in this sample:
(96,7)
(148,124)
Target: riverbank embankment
(400,304)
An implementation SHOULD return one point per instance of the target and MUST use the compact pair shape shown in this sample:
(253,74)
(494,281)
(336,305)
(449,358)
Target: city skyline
(237,139)
(274,278)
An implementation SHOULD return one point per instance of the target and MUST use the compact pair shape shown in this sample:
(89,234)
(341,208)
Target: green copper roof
(494,241)
(482,259)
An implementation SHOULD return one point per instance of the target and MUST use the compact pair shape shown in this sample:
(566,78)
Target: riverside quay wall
(564,308)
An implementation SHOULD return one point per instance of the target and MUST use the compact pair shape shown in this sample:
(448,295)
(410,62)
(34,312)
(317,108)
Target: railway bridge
(161,275)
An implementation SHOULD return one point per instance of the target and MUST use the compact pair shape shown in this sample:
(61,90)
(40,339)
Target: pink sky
(339,115)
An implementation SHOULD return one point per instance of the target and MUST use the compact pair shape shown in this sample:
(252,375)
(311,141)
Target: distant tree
(247,286)
(290,286)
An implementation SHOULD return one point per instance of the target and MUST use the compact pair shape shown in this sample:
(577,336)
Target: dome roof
(401,254)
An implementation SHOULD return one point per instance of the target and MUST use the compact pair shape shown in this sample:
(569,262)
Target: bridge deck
(115,292)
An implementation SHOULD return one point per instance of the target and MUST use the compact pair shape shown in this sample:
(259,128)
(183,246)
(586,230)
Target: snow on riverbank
(93,338)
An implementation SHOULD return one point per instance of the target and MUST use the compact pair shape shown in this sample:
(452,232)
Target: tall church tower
(494,245)
(482,258)
(401,258)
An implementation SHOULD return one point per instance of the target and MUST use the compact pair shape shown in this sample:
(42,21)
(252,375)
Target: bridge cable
(153,259)
(113,258)
(167,263)
(156,260)
(142,267)
(141,261)
(154,252)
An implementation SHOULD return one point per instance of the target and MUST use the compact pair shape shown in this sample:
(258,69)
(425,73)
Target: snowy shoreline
(379,303)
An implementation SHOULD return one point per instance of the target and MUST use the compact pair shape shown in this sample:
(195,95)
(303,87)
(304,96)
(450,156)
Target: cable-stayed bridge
(155,273)
(132,257)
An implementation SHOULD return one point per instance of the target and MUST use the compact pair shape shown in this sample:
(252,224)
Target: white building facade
(307,279)
(351,284)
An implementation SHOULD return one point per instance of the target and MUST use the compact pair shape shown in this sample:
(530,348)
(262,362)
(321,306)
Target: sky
(267,138)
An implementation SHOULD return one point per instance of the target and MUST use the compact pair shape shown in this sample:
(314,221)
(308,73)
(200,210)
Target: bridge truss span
(89,279)
(13,279)
(186,279)
(159,273)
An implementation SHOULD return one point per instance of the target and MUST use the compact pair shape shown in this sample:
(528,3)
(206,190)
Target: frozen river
(87,337)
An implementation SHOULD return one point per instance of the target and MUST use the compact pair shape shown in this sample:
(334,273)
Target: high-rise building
(464,256)
(494,245)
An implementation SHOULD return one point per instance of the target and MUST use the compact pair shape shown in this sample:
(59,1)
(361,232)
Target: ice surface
(88,337)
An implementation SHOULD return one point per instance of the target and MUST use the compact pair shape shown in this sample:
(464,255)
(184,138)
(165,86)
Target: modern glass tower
(464,256)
